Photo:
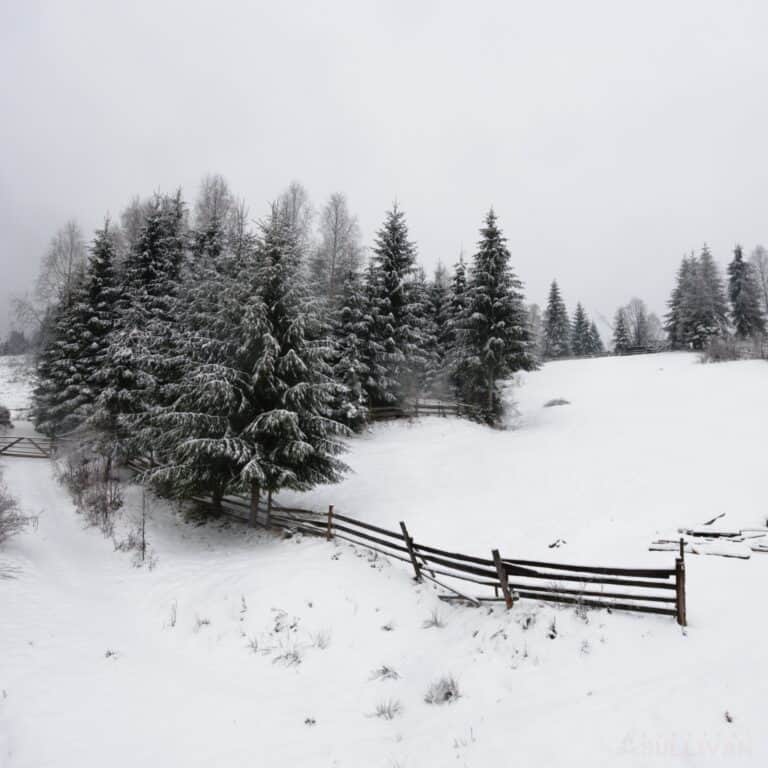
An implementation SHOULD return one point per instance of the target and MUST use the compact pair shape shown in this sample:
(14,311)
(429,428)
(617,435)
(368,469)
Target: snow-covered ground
(192,663)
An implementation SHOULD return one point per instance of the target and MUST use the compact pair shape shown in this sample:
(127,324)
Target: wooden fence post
(411,551)
(682,619)
(503,581)
(329,532)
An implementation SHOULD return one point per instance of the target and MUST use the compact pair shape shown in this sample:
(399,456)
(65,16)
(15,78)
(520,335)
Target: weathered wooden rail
(23,446)
(421,408)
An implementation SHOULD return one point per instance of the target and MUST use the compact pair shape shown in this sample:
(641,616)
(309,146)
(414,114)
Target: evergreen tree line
(558,335)
(701,310)
(238,359)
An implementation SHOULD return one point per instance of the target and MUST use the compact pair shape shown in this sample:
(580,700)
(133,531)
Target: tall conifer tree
(744,294)
(493,334)
(557,327)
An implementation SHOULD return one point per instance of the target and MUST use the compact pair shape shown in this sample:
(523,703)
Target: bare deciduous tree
(636,316)
(214,201)
(62,265)
(131,221)
(238,233)
(339,250)
(61,268)
(294,204)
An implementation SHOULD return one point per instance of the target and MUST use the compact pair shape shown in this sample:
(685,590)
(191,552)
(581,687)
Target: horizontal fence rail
(418,408)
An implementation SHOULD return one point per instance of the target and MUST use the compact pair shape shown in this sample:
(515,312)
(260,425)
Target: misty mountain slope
(239,648)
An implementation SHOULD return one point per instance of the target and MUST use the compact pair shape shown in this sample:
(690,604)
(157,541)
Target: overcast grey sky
(611,137)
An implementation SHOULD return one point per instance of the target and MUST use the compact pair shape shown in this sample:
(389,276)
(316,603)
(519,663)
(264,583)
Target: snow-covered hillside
(240,648)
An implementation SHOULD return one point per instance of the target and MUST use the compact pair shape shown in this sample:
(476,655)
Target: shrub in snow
(442,691)
(434,620)
(720,349)
(552,632)
(5,417)
(322,639)
(11,520)
(291,657)
(384,672)
(388,710)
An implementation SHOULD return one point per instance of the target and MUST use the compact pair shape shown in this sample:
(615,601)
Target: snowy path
(618,690)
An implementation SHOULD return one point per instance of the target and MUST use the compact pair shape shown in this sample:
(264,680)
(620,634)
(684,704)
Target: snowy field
(239,648)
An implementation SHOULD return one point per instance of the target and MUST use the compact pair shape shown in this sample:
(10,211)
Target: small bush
(291,657)
(720,349)
(322,639)
(12,521)
(434,620)
(442,691)
(552,631)
(384,672)
(556,401)
(388,710)
(5,418)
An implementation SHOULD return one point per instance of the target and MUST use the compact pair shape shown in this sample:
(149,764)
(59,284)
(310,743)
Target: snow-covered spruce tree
(595,341)
(621,340)
(354,356)
(677,321)
(260,406)
(143,360)
(580,341)
(744,294)
(457,302)
(441,339)
(297,437)
(101,300)
(396,310)
(710,309)
(427,364)
(192,431)
(70,367)
(379,383)
(493,331)
(557,327)
(57,400)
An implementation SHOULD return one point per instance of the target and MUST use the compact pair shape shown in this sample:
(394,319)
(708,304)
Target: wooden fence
(643,590)
(421,408)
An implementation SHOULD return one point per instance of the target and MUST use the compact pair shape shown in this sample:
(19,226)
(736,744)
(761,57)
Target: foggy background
(610,137)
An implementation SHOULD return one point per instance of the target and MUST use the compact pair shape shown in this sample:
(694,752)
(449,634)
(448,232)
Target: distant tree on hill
(697,307)
(580,338)
(557,327)
(621,338)
(595,342)
(744,293)
(493,331)
(15,344)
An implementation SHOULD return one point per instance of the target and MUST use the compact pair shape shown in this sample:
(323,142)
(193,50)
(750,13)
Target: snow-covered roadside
(614,690)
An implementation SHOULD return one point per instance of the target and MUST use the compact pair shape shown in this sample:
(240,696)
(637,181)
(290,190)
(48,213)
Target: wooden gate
(26,447)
